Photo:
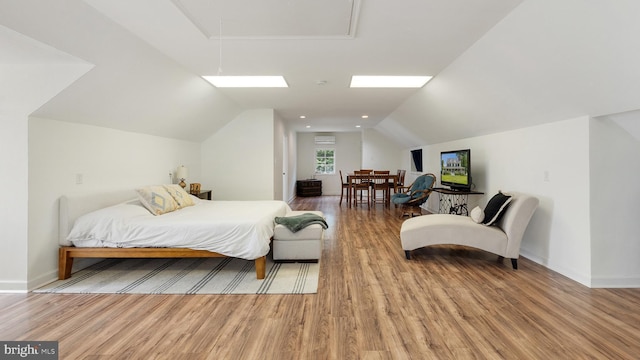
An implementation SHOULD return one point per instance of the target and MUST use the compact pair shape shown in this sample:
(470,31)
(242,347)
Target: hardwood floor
(372,303)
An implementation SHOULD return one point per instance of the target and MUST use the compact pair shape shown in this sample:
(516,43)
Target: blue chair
(415,195)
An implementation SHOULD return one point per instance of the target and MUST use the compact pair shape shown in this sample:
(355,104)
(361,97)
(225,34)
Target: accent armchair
(415,195)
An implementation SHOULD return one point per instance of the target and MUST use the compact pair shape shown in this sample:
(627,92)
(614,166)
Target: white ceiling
(272,19)
(497,64)
(413,37)
(151,47)
(546,61)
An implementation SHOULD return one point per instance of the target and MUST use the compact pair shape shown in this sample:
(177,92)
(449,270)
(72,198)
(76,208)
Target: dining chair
(399,186)
(380,183)
(361,183)
(345,187)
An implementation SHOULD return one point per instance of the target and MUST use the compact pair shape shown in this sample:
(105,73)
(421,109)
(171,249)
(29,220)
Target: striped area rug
(188,276)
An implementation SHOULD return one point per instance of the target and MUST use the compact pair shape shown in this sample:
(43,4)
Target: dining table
(352,179)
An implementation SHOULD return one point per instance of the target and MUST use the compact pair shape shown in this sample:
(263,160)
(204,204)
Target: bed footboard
(68,253)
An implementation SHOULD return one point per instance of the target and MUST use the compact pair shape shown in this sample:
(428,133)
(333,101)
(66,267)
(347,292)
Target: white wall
(379,152)
(279,134)
(238,160)
(558,235)
(367,149)
(13,210)
(546,61)
(32,73)
(614,205)
(292,142)
(107,159)
(348,149)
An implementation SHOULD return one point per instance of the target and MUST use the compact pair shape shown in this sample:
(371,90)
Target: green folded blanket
(299,222)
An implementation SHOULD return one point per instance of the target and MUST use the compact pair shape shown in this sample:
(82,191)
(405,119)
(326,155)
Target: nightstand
(204,194)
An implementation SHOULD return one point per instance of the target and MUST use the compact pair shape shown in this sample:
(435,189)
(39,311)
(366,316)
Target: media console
(309,187)
(454,201)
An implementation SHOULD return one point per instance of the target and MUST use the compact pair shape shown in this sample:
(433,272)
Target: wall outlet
(79,179)
(546,175)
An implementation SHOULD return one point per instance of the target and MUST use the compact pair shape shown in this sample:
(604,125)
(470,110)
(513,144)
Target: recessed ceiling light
(303,116)
(246,81)
(365,116)
(363,81)
(308,126)
(357,126)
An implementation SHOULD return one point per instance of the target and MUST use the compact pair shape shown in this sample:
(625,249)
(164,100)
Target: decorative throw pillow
(156,199)
(179,195)
(495,208)
(477,214)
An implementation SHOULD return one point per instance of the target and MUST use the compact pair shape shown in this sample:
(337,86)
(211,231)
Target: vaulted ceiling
(497,64)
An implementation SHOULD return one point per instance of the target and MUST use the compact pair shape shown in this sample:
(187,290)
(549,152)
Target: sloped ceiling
(132,87)
(32,73)
(497,64)
(630,121)
(546,61)
(149,57)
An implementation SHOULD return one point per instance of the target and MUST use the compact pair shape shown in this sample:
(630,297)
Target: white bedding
(240,229)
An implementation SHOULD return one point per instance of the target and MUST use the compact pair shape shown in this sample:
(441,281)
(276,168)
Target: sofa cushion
(400,198)
(495,208)
(477,214)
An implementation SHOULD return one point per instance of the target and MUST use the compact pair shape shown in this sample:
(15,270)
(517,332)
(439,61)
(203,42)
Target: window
(325,160)
(416,160)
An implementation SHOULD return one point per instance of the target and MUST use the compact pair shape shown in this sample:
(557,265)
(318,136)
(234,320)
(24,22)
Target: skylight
(247,81)
(363,81)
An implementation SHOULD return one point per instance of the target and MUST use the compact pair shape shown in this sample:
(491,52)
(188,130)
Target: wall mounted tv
(455,169)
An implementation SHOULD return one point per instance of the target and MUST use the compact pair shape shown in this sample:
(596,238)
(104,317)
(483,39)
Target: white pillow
(477,214)
(157,200)
(179,195)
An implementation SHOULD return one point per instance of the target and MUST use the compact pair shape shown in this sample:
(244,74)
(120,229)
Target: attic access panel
(272,18)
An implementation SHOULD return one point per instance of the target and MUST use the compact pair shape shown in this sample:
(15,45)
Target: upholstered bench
(305,244)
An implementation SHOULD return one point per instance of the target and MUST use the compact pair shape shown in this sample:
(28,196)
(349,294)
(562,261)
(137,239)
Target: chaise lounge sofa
(503,238)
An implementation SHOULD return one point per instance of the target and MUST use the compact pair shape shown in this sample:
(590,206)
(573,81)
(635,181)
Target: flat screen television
(455,169)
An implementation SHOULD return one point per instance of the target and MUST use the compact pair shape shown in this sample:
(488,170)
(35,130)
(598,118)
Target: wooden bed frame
(68,253)
(73,207)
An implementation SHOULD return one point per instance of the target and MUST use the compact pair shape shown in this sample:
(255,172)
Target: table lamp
(182,174)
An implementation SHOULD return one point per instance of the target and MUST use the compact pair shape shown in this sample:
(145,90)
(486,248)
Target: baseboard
(43,280)
(584,280)
(9,287)
(611,282)
(615,282)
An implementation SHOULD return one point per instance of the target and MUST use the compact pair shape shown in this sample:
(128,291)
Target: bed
(117,225)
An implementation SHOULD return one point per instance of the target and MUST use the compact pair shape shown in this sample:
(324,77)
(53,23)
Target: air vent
(325,140)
